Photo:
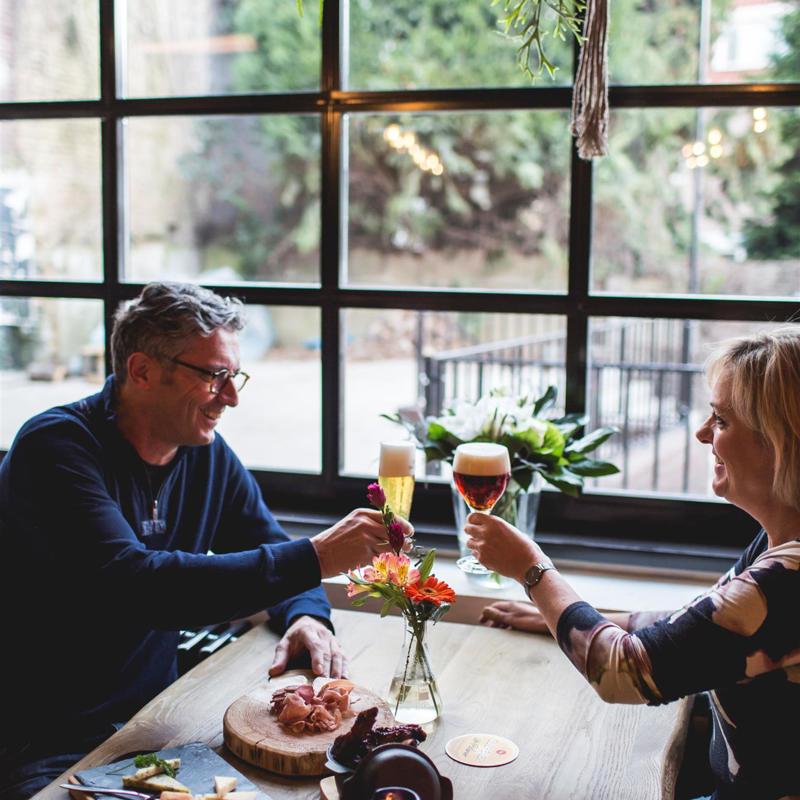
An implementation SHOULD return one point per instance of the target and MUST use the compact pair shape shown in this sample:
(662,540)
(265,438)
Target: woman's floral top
(739,641)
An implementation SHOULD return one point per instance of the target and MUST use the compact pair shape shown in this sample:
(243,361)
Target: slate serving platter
(199,765)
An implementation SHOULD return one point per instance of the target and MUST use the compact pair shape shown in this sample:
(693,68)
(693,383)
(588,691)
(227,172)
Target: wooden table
(572,745)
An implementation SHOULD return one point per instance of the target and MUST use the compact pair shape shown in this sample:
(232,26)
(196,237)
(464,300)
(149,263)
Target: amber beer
(481,471)
(396,475)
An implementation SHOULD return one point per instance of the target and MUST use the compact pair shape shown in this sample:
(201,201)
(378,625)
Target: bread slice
(155,784)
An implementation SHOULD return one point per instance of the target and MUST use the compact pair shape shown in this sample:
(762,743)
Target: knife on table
(124,793)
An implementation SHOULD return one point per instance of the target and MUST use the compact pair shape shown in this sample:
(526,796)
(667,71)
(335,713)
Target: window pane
(50,208)
(699,201)
(400,359)
(218,199)
(746,41)
(49,51)
(278,422)
(646,378)
(427,44)
(477,201)
(51,352)
(200,47)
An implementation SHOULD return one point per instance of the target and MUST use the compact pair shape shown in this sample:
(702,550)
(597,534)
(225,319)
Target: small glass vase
(516,505)
(413,693)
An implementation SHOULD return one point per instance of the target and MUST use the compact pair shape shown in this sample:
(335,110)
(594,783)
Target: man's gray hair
(162,319)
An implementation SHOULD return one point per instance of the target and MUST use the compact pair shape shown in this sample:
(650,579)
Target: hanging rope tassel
(589,123)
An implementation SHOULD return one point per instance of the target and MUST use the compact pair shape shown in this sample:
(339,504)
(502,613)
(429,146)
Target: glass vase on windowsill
(518,506)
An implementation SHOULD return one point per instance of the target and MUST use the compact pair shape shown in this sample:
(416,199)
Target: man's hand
(307,633)
(514,614)
(353,541)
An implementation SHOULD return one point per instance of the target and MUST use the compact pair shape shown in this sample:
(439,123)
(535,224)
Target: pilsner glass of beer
(481,471)
(396,475)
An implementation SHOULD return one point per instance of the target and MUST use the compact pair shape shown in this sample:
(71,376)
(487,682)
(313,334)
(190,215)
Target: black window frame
(624,522)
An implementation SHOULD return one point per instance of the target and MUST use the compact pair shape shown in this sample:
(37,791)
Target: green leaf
(153,760)
(571,419)
(545,401)
(426,565)
(439,612)
(387,607)
(437,431)
(433,453)
(592,440)
(564,481)
(553,441)
(570,425)
(593,468)
(523,475)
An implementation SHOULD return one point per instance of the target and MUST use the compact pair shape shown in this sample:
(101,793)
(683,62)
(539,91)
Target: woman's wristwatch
(534,574)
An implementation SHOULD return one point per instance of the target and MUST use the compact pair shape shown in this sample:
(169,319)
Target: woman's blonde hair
(764,370)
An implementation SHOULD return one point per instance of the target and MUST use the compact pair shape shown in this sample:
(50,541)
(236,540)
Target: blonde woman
(740,640)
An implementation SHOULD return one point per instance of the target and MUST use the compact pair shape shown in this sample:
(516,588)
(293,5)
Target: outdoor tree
(779,237)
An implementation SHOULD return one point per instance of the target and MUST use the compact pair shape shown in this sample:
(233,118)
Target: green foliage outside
(779,237)
(502,202)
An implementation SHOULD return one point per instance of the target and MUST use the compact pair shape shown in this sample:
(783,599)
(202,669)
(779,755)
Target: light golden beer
(396,476)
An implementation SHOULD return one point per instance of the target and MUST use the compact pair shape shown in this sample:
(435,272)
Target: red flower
(432,590)
(376,496)
(396,535)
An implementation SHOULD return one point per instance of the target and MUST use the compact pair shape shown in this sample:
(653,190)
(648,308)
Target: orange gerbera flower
(432,590)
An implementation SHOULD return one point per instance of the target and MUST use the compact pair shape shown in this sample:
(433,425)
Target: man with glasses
(125,518)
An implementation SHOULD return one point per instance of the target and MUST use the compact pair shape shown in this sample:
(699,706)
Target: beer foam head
(482,458)
(397,459)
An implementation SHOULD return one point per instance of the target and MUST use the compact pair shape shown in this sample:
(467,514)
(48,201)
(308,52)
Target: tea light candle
(395,793)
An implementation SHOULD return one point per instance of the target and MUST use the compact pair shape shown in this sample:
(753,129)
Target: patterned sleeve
(740,628)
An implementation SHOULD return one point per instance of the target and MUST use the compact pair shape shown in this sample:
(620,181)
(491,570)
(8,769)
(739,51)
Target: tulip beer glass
(396,476)
(481,471)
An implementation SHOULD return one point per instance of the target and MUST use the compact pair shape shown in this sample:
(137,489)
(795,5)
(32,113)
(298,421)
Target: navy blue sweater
(94,586)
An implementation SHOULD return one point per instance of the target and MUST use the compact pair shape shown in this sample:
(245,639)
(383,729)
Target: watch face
(534,574)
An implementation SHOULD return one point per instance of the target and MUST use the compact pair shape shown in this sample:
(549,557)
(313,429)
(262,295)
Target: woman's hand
(514,614)
(500,546)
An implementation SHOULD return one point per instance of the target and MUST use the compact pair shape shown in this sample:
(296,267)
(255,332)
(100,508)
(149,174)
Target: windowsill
(650,559)
(606,589)
(611,575)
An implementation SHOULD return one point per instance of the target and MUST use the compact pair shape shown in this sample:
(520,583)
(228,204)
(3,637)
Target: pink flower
(397,536)
(372,575)
(356,588)
(391,568)
(376,496)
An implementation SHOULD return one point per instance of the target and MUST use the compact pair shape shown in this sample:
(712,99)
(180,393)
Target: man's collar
(109,398)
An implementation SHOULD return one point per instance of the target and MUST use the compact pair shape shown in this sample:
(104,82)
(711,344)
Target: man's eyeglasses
(218,380)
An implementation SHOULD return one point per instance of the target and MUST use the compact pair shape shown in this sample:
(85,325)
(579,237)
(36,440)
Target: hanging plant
(532,21)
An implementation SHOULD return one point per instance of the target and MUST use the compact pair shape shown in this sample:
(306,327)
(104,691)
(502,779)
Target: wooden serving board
(256,736)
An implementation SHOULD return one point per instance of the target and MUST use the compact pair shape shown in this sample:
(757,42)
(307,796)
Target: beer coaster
(481,750)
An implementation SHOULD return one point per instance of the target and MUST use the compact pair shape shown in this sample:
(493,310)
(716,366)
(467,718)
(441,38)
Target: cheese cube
(224,784)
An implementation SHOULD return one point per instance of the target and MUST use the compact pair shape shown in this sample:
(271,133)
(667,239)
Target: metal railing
(640,380)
